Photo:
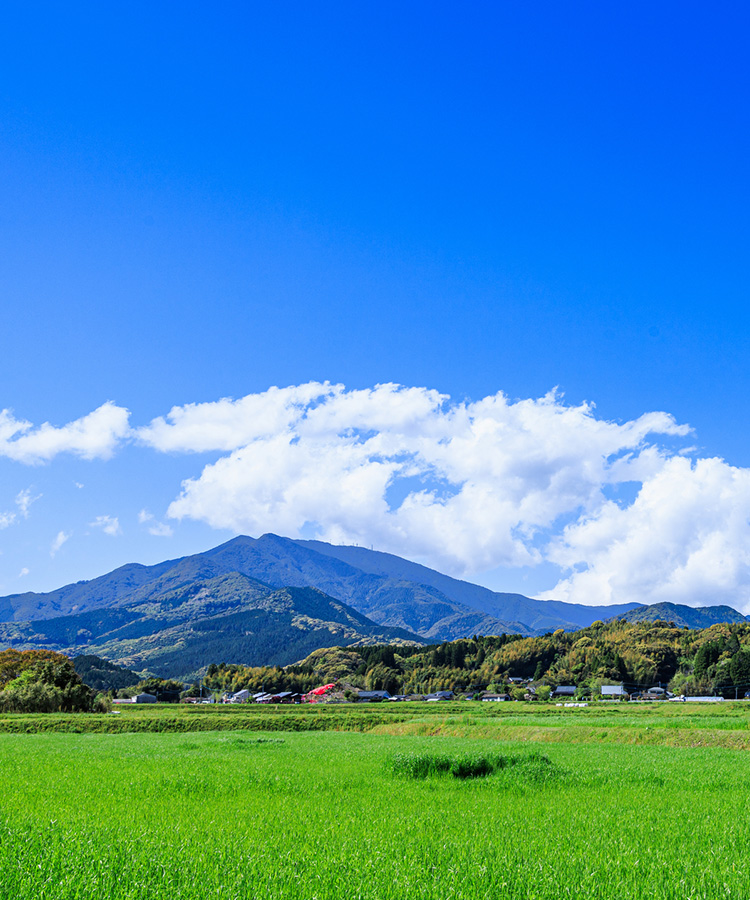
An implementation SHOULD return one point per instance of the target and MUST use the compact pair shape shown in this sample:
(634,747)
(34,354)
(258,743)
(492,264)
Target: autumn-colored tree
(14,662)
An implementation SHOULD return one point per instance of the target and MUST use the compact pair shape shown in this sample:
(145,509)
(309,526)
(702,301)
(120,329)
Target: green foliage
(45,686)
(739,668)
(639,654)
(103,675)
(14,662)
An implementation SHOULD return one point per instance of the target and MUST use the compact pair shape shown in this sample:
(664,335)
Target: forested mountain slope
(228,618)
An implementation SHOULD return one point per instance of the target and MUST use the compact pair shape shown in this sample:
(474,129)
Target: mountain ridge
(230,617)
(683,616)
(388,590)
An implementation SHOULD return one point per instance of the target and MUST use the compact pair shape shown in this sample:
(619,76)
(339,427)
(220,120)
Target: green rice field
(522,802)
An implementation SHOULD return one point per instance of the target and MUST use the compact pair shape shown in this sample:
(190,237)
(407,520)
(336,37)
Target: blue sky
(209,203)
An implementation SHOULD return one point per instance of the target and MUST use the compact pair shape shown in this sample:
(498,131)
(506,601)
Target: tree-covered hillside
(640,655)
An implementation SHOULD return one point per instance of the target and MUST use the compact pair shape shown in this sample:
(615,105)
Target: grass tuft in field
(527,766)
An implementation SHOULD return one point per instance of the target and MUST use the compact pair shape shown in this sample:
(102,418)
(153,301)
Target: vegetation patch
(529,766)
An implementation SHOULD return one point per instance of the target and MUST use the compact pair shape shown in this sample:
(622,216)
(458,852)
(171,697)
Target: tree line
(713,660)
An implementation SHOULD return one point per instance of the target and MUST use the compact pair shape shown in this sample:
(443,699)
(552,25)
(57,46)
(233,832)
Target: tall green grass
(326,815)
(526,766)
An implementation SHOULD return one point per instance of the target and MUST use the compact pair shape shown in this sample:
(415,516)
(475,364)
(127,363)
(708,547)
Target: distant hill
(81,596)
(102,675)
(391,591)
(683,616)
(228,618)
(387,589)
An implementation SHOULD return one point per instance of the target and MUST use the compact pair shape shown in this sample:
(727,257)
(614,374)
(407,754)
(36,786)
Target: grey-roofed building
(372,696)
(564,690)
(613,691)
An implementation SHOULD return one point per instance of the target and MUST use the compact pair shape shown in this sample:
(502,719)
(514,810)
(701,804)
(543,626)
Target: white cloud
(684,539)
(24,571)
(229,424)
(158,529)
(476,485)
(623,509)
(109,525)
(61,538)
(24,501)
(94,436)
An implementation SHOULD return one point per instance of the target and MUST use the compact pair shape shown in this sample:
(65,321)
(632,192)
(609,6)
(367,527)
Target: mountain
(230,618)
(535,615)
(81,596)
(683,616)
(391,591)
(280,562)
(272,600)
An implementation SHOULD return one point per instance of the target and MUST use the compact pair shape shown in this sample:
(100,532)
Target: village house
(613,692)
(564,690)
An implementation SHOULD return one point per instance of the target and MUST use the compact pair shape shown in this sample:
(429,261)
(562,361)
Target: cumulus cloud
(229,424)
(61,538)
(94,436)
(684,539)
(109,525)
(623,509)
(24,571)
(464,486)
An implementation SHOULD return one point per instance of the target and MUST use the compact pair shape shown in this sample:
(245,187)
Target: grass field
(621,802)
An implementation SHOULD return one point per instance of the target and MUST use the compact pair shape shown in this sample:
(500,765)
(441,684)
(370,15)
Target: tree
(381,678)
(50,685)
(708,655)
(14,662)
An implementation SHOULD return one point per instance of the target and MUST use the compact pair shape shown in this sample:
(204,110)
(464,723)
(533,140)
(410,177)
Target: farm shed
(144,698)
